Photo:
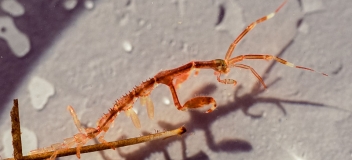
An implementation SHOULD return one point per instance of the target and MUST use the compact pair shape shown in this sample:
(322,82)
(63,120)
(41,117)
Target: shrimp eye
(221,65)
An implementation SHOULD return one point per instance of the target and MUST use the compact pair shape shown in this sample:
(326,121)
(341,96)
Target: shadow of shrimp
(203,122)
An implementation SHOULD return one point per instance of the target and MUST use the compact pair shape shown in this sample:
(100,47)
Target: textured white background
(89,68)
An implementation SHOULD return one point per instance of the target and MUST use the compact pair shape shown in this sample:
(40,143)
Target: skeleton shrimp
(173,78)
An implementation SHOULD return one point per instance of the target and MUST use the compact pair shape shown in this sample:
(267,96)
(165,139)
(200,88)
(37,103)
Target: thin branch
(16,130)
(108,145)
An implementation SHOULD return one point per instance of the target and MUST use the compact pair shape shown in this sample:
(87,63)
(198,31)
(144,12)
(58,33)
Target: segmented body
(172,78)
(125,103)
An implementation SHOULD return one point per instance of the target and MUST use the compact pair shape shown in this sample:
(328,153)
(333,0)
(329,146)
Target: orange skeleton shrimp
(173,78)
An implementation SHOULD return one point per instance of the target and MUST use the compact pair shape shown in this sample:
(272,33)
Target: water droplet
(29,141)
(17,41)
(88,4)
(135,110)
(39,91)
(12,7)
(70,4)
(141,22)
(127,46)
(166,101)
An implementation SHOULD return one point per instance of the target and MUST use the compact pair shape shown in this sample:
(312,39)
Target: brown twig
(16,131)
(109,145)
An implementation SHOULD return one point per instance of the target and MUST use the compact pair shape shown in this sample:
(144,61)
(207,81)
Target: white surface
(90,68)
